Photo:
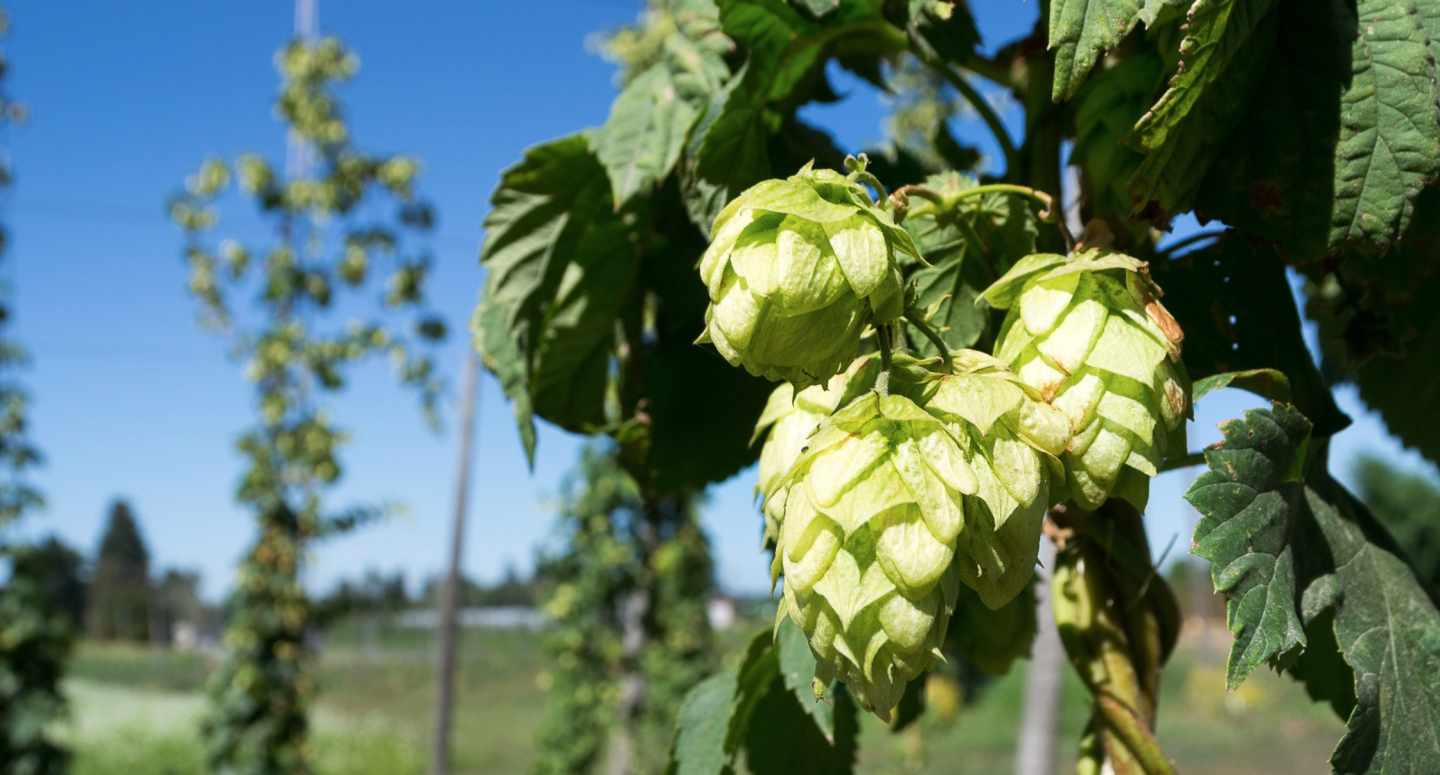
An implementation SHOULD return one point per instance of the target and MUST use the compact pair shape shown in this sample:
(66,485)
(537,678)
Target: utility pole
(1035,751)
(449,600)
(298,154)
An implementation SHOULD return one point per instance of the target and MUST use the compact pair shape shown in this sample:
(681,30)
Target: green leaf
(1376,330)
(1080,31)
(1331,148)
(692,393)
(789,49)
(1221,56)
(968,246)
(759,673)
(1215,30)
(1106,109)
(695,394)
(782,739)
(775,36)
(944,27)
(1235,305)
(701,727)
(1307,567)
(755,708)
(1389,633)
(1389,144)
(649,122)
(641,141)
(797,670)
(713,720)
(500,353)
(1267,383)
(1246,534)
(728,150)
(560,267)
(946,294)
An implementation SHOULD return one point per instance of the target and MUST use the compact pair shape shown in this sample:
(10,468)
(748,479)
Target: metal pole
(449,600)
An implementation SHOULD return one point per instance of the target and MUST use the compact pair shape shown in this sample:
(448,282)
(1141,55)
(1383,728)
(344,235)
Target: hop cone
(887,510)
(1088,332)
(1012,440)
(795,270)
(790,417)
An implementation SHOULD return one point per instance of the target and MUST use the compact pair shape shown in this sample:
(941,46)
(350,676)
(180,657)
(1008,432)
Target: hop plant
(795,270)
(1089,333)
(893,504)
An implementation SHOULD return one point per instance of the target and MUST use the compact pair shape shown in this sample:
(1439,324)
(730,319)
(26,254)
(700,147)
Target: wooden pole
(449,599)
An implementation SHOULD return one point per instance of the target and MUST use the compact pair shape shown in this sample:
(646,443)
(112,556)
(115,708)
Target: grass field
(135,712)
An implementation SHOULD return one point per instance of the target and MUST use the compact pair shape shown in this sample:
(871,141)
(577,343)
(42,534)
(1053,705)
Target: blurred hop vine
(910,489)
(796,269)
(331,233)
(1089,333)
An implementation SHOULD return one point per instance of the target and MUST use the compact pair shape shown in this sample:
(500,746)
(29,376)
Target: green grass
(136,713)
(139,667)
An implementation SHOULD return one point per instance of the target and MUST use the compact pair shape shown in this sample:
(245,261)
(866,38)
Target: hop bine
(896,500)
(795,270)
(1089,333)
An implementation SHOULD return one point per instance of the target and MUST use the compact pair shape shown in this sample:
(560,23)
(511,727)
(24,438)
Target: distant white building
(491,617)
(721,613)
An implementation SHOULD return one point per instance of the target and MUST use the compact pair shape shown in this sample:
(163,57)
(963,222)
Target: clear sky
(133,400)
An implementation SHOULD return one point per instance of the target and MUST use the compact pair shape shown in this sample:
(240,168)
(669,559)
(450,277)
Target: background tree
(35,639)
(175,600)
(1311,134)
(60,572)
(339,227)
(119,599)
(588,589)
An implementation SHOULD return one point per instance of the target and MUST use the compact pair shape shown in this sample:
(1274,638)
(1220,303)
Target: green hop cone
(795,270)
(1089,333)
(1012,441)
(788,420)
(889,508)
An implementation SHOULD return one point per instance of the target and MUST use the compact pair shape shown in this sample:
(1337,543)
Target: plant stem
(1191,459)
(1051,213)
(874,182)
(915,320)
(982,107)
(1185,242)
(882,382)
(1133,731)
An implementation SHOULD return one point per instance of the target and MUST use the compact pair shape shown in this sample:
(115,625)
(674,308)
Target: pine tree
(120,584)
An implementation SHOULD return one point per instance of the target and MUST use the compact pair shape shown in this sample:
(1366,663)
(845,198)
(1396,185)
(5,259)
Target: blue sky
(133,400)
